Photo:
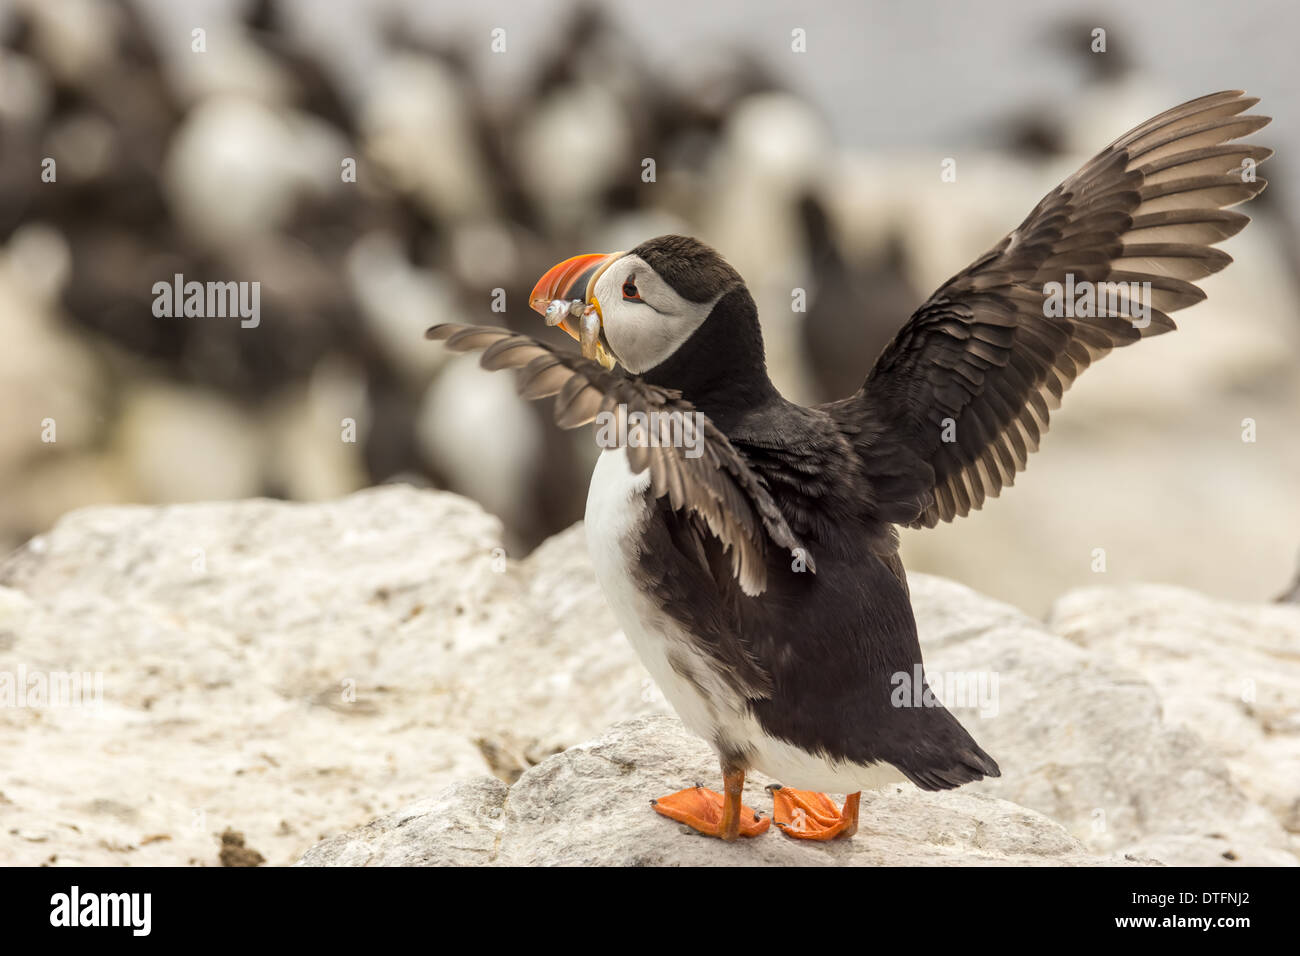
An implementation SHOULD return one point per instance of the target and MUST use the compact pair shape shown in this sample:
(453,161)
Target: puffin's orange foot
(806,815)
(703,810)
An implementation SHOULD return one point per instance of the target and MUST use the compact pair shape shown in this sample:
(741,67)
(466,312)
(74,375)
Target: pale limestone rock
(589,806)
(1086,741)
(1228,671)
(292,671)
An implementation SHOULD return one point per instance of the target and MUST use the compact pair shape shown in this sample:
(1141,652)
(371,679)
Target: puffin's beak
(572,280)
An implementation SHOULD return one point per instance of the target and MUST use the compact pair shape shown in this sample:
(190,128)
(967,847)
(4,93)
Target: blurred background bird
(487,142)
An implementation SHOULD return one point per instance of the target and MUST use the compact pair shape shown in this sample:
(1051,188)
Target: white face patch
(644,333)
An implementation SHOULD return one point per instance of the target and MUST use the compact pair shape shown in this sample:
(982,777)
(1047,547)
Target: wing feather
(961,397)
(717,485)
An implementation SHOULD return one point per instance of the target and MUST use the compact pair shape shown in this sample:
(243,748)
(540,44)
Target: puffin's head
(655,299)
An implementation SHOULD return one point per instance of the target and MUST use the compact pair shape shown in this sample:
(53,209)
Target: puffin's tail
(954,758)
(972,765)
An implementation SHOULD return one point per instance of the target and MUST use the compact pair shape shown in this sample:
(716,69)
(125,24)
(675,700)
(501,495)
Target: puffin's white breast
(617,509)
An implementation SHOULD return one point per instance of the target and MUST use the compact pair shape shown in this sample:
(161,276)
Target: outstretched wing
(690,461)
(961,396)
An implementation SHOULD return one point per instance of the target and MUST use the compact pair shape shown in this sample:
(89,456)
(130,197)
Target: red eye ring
(629,291)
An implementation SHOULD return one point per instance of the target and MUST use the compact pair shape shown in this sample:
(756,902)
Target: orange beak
(573,279)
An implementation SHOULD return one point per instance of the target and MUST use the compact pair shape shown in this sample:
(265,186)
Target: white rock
(1228,671)
(293,671)
(1085,741)
(589,806)
(287,670)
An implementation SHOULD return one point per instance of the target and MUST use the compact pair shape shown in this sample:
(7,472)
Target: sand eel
(751,556)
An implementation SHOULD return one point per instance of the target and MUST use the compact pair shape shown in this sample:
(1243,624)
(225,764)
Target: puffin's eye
(629,291)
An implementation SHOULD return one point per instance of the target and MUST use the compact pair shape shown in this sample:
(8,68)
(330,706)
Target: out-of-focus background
(490,140)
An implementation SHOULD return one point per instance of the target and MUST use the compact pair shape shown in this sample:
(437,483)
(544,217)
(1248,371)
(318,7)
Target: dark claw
(772,787)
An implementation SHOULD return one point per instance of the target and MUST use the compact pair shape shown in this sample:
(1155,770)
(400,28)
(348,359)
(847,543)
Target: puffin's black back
(816,654)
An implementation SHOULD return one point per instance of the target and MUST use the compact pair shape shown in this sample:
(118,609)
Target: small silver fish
(589,337)
(561,309)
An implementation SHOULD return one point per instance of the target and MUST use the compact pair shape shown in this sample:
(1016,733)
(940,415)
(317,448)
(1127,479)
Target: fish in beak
(565,297)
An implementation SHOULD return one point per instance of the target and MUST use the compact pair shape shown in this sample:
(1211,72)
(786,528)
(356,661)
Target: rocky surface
(374,673)
(1090,743)
(1226,670)
(287,670)
(588,806)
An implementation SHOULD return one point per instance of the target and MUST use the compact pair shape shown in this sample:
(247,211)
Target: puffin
(748,546)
